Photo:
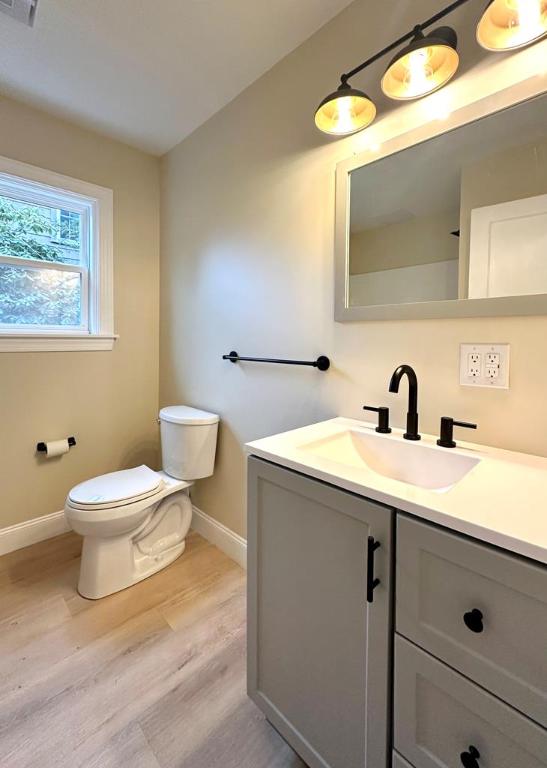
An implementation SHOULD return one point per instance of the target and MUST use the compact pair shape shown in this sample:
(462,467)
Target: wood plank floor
(152,677)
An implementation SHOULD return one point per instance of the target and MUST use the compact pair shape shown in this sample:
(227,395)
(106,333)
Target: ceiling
(147,72)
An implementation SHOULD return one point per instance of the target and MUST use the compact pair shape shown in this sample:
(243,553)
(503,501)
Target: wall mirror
(455,225)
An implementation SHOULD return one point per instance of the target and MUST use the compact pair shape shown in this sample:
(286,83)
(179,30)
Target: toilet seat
(116,489)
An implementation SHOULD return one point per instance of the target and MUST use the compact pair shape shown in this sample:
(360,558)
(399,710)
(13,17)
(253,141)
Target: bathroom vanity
(398,599)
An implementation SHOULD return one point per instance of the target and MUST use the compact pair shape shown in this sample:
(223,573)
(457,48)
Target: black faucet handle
(383,418)
(446,439)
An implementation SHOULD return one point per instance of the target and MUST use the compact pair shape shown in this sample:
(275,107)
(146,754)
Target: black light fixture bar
(409,35)
(424,63)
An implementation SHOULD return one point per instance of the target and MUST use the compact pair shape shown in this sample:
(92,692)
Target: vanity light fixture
(345,111)
(426,64)
(510,24)
(429,61)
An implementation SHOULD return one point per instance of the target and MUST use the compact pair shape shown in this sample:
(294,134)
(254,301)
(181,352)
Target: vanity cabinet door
(318,652)
(481,610)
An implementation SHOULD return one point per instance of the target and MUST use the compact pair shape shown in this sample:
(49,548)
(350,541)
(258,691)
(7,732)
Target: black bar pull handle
(372,583)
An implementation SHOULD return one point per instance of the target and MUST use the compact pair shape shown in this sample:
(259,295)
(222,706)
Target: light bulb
(527,17)
(418,70)
(345,115)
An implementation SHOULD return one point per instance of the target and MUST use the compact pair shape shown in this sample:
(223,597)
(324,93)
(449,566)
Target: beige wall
(108,400)
(247,264)
(418,240)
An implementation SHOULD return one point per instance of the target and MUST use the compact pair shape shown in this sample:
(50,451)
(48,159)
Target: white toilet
(134,522)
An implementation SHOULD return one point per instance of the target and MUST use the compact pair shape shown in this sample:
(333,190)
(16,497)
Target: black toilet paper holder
(42,447)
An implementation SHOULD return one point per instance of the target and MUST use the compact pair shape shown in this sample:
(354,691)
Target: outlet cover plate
(484,365)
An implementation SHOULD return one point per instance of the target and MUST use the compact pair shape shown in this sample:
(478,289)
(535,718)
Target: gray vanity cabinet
(319,654)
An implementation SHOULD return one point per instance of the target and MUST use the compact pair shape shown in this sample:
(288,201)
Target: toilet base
(111,564)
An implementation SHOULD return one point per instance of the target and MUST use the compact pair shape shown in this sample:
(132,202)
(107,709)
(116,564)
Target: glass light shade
(509,24)
(344,112)
(424,66)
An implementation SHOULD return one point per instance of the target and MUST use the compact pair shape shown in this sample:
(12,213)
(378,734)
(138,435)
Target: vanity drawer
(444,581)
(440,715)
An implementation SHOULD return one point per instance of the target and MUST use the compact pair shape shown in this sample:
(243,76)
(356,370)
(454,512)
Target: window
(55,261)
(66,226)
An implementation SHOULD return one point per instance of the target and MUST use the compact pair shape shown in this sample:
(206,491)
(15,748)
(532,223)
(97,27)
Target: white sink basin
(437,469)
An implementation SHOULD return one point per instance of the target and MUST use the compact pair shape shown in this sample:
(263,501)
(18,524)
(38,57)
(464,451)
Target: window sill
(51,342)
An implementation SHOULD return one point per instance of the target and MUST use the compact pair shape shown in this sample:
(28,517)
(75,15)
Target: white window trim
(101,304)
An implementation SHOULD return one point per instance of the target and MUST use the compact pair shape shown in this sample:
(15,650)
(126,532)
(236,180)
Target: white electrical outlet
(484,365)
(473,365)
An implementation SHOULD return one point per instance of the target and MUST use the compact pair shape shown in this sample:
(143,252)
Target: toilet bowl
(135,521)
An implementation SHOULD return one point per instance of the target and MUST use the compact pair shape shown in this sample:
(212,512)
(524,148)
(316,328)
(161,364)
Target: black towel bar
(322,362)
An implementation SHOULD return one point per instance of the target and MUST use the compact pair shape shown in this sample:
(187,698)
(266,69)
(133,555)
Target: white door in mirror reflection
(508,249)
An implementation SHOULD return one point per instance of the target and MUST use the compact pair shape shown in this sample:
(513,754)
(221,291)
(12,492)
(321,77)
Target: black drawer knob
(470,759)
(473,620)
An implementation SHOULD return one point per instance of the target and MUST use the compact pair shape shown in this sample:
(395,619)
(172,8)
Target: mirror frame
(488,307)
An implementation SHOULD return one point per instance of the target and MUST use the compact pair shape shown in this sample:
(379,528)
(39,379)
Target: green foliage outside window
(34,296)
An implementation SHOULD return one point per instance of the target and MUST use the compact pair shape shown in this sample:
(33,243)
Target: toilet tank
(188,441)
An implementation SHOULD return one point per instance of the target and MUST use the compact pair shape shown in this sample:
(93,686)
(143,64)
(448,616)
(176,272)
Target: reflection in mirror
(463,215)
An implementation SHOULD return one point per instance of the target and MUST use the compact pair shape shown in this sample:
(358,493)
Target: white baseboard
(32,531)
(230,543)
(42,528)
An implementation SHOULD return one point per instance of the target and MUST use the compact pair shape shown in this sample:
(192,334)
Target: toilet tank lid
(183,414)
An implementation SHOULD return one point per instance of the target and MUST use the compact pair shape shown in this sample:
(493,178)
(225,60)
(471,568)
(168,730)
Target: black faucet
(412,415)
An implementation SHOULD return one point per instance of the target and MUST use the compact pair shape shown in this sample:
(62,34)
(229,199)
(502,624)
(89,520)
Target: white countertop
(502,500)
